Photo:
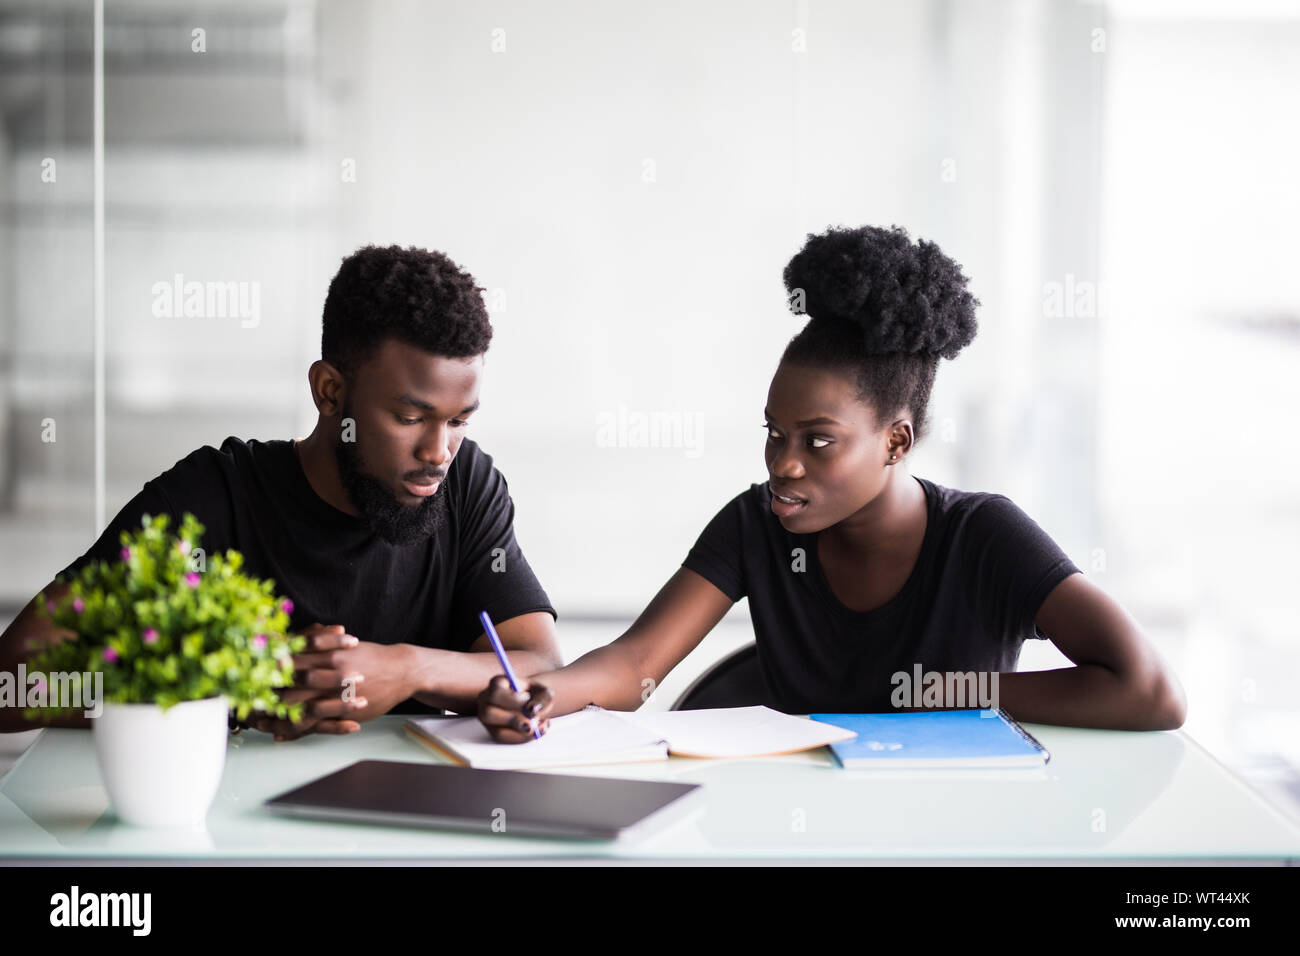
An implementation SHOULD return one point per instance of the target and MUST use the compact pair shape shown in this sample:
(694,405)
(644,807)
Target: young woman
(856,571)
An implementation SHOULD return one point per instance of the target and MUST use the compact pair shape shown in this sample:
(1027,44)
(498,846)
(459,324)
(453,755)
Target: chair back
(734,681)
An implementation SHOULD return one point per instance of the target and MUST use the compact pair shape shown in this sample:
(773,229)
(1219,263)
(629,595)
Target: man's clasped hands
(341,681)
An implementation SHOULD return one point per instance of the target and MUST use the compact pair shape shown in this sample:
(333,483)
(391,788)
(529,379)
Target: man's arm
(31,631)
(354,682)
(453,679)
(22,640)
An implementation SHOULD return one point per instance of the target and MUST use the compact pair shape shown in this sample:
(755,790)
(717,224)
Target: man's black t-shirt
(254,497)
(983,572)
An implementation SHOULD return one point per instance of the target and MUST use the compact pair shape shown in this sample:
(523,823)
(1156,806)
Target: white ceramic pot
(162,769)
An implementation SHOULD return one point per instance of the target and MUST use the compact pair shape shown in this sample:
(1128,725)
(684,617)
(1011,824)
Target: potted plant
(180,641)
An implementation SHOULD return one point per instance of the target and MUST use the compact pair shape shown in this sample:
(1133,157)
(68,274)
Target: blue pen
(491,632)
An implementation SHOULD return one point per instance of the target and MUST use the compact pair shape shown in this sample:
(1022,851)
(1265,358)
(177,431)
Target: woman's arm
(1120,681)
(620,675)
(453,679)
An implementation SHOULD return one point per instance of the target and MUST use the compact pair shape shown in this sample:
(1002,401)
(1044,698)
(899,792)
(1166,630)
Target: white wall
(528,166)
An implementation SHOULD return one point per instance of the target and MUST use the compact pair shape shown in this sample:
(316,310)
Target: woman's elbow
(1177,706)
(1166,706)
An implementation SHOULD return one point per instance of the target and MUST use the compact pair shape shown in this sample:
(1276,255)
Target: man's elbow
(542,656)
(551,658)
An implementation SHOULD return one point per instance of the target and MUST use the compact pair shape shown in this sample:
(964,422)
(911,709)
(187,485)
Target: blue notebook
(940,738)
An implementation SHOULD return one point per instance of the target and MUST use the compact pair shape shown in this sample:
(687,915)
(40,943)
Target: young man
(385,523)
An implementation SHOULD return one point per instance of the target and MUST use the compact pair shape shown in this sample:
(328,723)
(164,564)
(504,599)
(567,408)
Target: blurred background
(627,182)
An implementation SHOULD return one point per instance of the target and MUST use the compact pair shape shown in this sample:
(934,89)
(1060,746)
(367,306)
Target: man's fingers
(271,725)
(321,678)
(334,637)
(284,729)
(56,636)
(336,727)
(333,707)
(325,660)
(297,695)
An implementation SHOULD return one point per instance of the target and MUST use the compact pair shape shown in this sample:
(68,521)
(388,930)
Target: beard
(395,522)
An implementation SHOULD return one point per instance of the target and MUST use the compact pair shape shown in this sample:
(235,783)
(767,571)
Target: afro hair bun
(904,296)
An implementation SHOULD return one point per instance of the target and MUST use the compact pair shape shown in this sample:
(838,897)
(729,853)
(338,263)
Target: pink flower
(49,606)
(260,641)
(192,579)
(151,636)
(183,546)
(287,606)
(126,554)
(110,655)
(78,605)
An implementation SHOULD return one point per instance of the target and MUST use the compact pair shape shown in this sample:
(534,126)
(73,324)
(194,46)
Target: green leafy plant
(166,624)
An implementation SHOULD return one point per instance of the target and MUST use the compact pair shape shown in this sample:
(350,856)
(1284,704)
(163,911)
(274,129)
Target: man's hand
(328,674)
(328,693)
(387,669)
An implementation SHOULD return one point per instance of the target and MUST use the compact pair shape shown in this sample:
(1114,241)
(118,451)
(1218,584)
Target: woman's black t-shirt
(983,572)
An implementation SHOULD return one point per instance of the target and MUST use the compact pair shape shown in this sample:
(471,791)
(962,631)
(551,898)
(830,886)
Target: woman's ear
(900,440)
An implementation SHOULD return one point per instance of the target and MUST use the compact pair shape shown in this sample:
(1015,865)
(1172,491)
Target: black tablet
(490,801)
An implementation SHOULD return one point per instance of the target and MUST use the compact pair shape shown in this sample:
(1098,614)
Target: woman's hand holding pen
(510,716)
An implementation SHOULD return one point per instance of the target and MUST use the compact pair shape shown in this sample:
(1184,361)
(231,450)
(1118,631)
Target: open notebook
(596,736)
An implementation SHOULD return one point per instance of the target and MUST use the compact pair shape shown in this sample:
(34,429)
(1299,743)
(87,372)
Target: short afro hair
(883,308)
(416,296)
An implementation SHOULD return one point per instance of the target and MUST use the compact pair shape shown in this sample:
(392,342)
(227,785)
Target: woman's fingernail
(360,702)
(350,641)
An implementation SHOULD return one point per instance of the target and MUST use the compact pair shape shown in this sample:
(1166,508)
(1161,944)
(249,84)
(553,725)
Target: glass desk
(1105,797)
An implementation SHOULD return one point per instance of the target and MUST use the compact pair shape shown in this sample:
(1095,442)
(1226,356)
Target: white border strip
(99,266)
